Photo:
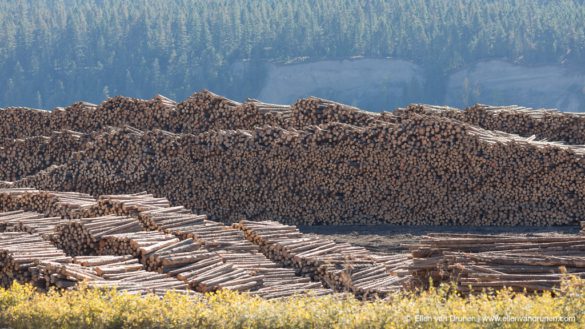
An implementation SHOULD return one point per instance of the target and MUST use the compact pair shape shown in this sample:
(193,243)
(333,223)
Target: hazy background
(374,54)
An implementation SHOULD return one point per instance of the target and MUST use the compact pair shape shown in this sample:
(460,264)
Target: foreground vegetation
(22,307)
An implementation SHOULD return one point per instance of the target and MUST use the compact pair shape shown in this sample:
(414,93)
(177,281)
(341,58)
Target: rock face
(498,82)
(374,84)
(382,84)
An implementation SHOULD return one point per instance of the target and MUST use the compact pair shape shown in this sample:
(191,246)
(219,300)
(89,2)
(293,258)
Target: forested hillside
(54,52)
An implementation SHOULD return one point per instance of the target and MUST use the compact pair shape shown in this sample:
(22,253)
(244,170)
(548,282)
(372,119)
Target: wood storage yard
(207,194)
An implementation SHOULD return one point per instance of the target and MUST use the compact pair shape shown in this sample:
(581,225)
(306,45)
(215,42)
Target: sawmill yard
(214,213)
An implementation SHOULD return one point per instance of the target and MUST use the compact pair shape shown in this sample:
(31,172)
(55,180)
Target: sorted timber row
(201,112)
(52,204)
(35,140)
(208,271)
(184,250)
(78,205)
(120,272)
(205,111)
(476,262)
(204,255)
(208,255)
(182,223)
(340,266)
(23,157)
(19,253)
(418,170)
(31,222)
(81,236)
(544,124)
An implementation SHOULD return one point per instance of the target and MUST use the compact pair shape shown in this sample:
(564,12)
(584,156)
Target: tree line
(54,52)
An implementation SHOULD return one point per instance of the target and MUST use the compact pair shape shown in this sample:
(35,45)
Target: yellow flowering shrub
(23,307)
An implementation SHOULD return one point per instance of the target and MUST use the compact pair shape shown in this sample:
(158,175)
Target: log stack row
(201,269)
(200,112)
(243,271)
(239,266)
(78,205)
(138,244)
(22,157)
(182,223)
(11,198)
(19,254)
(207,271)
(542,123)
(82,236)
(422,170)
(121,272)
(351,167)
(229,247)
(315,111)
(477,262)
(206,244)
(130,204)
(31,222)
(54,204)
(340,266)
(211,274)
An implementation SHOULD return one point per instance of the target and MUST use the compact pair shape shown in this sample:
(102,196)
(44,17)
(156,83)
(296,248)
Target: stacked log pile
(520,262)
(19,253)
(182,223)
(8,216)
(64,204)
(542,123)
(423,170)
(206,111)
(397,264)
(157,113)
(82,236)
(31,222)
(121,272)
(138,244)
(55,204)
(172,258)
(132,251)
(200,112)
(277,282)
(19,122)
(315,111)
(206,244)
(123,163)
(340,266)
(187,260)
(210,271)
(23,157)
(211,274)
(353,167)
(10,198)
(130,204)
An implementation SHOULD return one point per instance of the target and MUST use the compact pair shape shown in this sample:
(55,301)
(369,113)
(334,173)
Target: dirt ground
(395,239)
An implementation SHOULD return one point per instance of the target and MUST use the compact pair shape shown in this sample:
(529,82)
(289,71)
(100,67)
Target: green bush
(23,307)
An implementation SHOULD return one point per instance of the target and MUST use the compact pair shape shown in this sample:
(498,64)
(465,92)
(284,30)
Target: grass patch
(23,307)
